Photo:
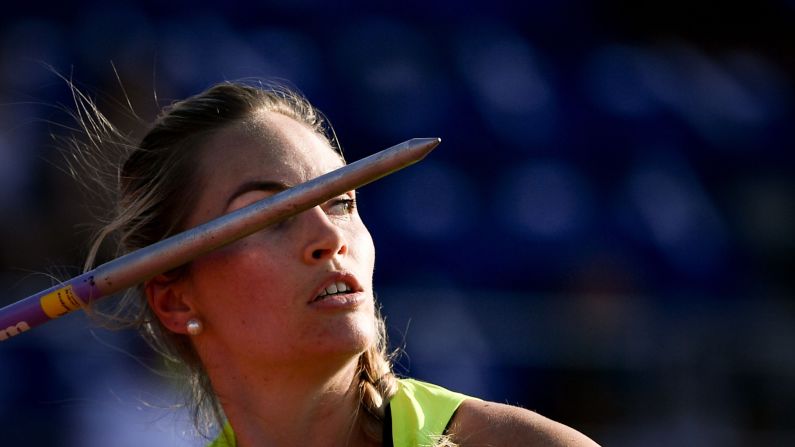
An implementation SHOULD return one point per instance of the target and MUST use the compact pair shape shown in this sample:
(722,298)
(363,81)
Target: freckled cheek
(239,271)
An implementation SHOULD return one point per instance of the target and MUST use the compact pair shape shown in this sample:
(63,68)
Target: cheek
(363,247)
(363,255)
(238,275)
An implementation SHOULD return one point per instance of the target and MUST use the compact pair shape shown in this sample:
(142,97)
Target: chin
(349,337)
(362,335)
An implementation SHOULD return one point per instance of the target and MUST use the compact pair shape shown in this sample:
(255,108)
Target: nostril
(320,252)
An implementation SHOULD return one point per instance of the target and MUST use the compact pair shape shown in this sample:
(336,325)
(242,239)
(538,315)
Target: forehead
(271,146)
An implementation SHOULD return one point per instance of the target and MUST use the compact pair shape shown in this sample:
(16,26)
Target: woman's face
(270,297)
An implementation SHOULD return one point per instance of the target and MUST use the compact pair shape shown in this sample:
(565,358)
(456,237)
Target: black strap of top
(387,436)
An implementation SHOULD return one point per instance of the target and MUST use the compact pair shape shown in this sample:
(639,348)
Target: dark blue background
(605,234)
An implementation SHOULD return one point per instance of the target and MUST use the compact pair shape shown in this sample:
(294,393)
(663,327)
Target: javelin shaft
(140,265)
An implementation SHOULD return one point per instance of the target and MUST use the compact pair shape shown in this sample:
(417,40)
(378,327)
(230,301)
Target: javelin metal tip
(424,145)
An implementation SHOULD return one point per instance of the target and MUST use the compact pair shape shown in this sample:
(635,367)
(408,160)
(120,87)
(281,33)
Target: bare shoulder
(479,423)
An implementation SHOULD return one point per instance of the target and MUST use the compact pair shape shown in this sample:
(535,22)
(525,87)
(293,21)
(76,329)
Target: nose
(326,239)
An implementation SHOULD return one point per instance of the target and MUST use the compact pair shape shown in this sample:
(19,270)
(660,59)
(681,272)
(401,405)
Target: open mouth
(340,286)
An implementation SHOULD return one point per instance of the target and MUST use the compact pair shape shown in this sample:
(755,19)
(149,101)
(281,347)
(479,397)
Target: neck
(307,406)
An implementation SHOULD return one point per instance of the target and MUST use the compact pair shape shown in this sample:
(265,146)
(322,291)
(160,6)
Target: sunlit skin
(281,361)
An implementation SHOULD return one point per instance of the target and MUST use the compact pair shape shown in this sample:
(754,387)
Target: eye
(341,206)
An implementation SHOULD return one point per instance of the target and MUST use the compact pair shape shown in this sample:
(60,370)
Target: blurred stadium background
(605,236)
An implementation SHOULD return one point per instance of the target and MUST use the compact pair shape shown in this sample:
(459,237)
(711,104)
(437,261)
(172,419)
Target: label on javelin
(60,302)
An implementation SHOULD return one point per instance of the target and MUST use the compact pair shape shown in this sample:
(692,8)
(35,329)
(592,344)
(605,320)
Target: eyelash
(349,204)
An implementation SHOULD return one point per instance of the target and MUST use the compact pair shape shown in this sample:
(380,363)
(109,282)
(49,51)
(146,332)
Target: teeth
(337,287)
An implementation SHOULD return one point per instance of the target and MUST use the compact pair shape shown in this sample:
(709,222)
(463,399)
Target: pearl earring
(194,326)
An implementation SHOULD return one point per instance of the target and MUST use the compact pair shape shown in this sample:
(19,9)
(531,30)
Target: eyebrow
(257,185)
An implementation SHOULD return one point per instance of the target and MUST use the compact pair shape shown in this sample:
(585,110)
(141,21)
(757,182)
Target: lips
(337,284)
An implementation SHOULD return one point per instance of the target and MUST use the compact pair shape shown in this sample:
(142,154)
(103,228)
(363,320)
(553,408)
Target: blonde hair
(152,190)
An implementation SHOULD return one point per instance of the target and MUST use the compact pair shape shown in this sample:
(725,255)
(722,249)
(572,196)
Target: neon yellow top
(420,414)
(226,438)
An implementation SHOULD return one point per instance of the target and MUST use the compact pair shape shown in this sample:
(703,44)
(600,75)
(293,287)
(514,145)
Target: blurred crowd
(605,234)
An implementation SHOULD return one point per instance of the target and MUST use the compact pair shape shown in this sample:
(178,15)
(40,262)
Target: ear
(168,297)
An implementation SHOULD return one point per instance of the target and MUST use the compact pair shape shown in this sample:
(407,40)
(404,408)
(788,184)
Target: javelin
(145,263)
